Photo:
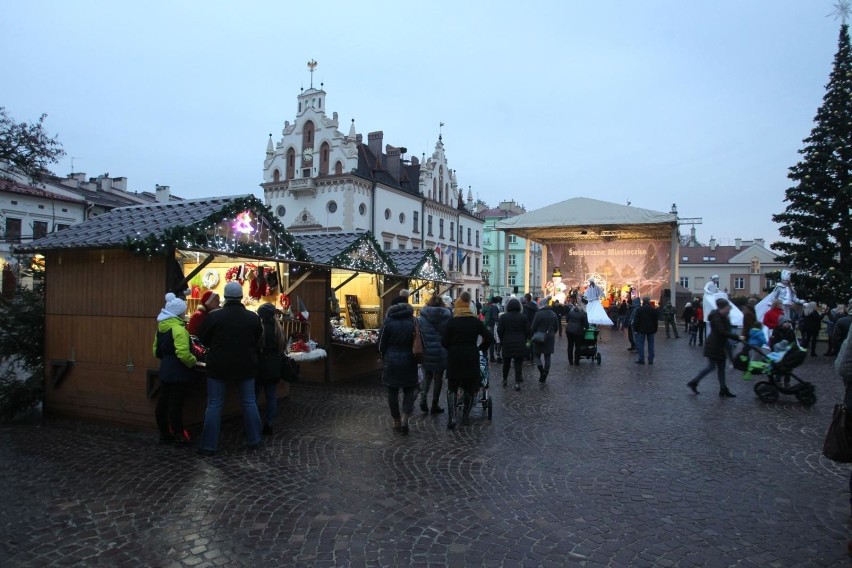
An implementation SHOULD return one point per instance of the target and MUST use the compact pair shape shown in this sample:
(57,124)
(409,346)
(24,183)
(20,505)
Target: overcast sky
(703,104)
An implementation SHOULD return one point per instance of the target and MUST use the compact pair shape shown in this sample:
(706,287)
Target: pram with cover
(778,368)
(589,345)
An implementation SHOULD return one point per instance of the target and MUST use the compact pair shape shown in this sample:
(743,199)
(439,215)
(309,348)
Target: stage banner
(644,265)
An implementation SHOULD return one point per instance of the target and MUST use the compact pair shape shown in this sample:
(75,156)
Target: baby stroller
(589,345)
(482,397)
(778,368)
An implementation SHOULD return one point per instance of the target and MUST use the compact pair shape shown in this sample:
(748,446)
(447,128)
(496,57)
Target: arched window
(308,135)
(276,175)
(291,163)
(434,189)
(338,168)
(325,150)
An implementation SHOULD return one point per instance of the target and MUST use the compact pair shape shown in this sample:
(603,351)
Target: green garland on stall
(197,235)
(349,261)
(437,271)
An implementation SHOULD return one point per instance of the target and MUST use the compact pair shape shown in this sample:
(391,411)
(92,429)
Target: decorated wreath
(236,274)
(210,278)
(284,300)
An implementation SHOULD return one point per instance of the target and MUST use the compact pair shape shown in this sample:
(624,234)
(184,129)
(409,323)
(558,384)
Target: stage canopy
(621,248)
(585,219)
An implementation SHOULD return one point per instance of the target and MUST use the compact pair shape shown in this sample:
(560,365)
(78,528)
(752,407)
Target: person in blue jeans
(645,325)
(232,335)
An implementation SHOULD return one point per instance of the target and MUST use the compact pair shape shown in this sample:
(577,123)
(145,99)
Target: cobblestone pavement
(611,465)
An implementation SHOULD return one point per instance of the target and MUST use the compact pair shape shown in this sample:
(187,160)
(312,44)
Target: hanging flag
(438,249)
(303,314)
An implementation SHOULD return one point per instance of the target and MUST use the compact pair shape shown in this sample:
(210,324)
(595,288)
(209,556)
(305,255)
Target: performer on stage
(711,293)
(595,310)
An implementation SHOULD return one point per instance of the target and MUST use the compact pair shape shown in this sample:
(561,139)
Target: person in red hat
(209,302)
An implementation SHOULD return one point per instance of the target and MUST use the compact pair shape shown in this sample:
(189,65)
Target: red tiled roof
(696,255)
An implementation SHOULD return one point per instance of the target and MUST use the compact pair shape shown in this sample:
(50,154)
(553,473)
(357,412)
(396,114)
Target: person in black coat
(460,341)
(530,308)
(716,348)
(272,347)
(811,324)
(433,321)
(547,322)
(232,336)
(687,315)
(513,329)
(400,367)
(645,324)
(578,323)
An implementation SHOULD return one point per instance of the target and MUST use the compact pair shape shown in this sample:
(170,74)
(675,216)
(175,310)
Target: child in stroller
(779,364)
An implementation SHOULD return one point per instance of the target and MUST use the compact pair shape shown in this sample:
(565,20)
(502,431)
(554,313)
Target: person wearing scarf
(460,340)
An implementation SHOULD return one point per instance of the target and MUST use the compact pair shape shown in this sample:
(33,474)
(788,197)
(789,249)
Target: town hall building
(318,179)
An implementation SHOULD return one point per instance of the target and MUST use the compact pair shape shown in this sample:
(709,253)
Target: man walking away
(645,327)
(631,319)
(715,349)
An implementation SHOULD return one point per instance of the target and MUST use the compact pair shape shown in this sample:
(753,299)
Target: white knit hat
(175,308)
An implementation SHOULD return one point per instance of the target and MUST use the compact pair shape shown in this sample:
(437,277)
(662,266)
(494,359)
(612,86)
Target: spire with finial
(312,65)
(352,133)
(269,148)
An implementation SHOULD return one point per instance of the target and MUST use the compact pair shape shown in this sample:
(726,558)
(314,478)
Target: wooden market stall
(420,272)
(106,280)
(354,292)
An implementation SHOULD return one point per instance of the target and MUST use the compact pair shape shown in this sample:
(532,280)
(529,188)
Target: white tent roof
(582,218)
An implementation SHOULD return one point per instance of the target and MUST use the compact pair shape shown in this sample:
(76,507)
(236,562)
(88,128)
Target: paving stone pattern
(611,465)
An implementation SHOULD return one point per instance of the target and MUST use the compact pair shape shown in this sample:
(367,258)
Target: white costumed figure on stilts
(712,292)
(594,309)
(783,291)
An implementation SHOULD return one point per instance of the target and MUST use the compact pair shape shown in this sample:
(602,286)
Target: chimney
(738,244)
(712,243)
(120,183)
(374,142)
(692,237)
(163,193)
(393,161)
(759,242)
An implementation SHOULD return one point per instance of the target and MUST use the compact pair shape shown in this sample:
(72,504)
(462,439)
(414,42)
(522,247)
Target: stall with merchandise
(355,292)
(107,280)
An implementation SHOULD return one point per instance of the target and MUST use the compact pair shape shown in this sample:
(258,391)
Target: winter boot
(403,427)
(468,404)
(452,401)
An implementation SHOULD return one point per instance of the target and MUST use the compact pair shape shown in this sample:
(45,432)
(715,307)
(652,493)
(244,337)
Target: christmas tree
(816,222)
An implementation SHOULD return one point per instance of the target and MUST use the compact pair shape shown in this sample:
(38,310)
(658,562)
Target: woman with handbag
(460,341)
(544,326)
(272,345)
(433,321)
(513,329)
(399,364)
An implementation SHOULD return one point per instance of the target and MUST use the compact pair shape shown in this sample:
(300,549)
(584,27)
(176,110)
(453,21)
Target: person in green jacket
(171,346)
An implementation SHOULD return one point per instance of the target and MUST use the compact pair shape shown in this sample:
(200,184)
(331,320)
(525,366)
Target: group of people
(452,340)
(243,348)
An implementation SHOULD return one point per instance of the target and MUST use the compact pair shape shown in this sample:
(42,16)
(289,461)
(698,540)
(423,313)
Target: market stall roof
(239,224)
(582,218)
(419,263)
(348,250)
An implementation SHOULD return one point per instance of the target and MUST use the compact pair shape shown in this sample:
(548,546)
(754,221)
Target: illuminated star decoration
(842,10)
(242,223)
